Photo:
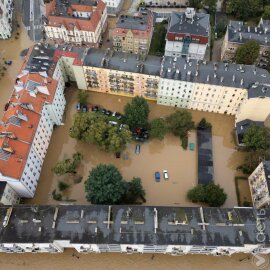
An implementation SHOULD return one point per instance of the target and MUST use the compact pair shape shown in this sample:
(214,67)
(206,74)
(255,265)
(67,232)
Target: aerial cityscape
(135,127)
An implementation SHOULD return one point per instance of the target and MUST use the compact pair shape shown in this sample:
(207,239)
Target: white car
(165,174)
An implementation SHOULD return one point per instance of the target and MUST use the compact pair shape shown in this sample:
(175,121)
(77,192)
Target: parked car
(118,155)
(113,123)
(78,107)
(95,108)
(137,149)
(103,111)
(108,113)
(114,114)
(139,138)
(157,176)
(123,126)
(119,116)
(165,175)
(8,62)
(84,108)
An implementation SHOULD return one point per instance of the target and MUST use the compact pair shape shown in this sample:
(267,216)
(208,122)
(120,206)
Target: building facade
(238,34)
(133,34)
(188,34)
(113,6)
(259,183)
(7,195)
(134,229)
(6,12)
(75,22)
(158,3)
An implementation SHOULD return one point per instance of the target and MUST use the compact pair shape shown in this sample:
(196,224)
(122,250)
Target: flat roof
(132,224)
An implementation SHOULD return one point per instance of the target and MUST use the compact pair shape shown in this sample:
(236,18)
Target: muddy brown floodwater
(108,261)
(154,156)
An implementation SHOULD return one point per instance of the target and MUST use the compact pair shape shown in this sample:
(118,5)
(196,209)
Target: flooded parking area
(154,156)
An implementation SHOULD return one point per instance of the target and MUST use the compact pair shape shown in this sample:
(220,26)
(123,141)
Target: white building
(6,11)
(114,6)
(188,34)
(81,23)
(7,195)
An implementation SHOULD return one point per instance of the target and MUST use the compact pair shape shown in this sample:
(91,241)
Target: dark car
(139,138)
(8,62)
(103,111)
(118,155)
(95,108)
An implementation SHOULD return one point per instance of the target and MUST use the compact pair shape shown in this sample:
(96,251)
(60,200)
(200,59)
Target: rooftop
(132,225)
(189,22)
(216,73)
(122,61)
(240,33)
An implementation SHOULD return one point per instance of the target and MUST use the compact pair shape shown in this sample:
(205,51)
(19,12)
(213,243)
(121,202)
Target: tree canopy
(180,122)
(95,128)
(266,12)
(247,53)
(136,113)
(104,185)
(158,42)
(243,9)
(211,194)
(158,128)
(82,97)
(256,138)
(68,165)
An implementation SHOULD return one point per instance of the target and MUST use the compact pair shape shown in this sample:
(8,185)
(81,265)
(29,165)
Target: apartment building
(113,6)
(134,229)
(35,106)
(76,22)
(259,183)
(6,12)
(238,33)
(208,86)
(133,34)
(158,3)
(188,34)
(7,195)
(118,73)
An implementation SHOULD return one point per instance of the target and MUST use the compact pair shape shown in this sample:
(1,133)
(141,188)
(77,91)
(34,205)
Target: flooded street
(10,50)
(110,261)
(154,156)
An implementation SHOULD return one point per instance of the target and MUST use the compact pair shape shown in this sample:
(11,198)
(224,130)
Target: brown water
(154,156)
(65,261)
(10,49)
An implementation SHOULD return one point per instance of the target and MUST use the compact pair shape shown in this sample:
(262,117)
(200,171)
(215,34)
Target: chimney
(265,30)
(248,28)
(240,36)
(255,71)
(221,79)
(207,78)
(242,81)
(233,77)
(256,29)
(215,74)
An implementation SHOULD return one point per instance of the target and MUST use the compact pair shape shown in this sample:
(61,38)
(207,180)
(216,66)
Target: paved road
(33,10)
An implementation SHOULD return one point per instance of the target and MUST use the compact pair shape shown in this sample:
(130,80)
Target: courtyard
(154,156)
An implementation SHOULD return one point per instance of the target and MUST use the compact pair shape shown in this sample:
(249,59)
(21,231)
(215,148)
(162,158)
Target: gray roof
(205,156)
(216,73)
(61,7)
(179,23)
(240,33)
(122,61)
(259,90)
(2,188)
(132,225)
(138,22)
(266,166)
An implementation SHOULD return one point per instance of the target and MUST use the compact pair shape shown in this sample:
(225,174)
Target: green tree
(82,97)
(136,113)
(203,124)
(68,165)
(211,194)
(197,4)
(62,186)
(210,4)
(266,12)
(243,9)
(248,53)
(197,194)
(158,128)
(104,185)
(256,138)
(180,122)
(158,42)
(215,195)
(95,128)
(134,191)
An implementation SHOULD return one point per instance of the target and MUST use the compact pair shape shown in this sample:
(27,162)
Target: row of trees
(105,185)
(210,194)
